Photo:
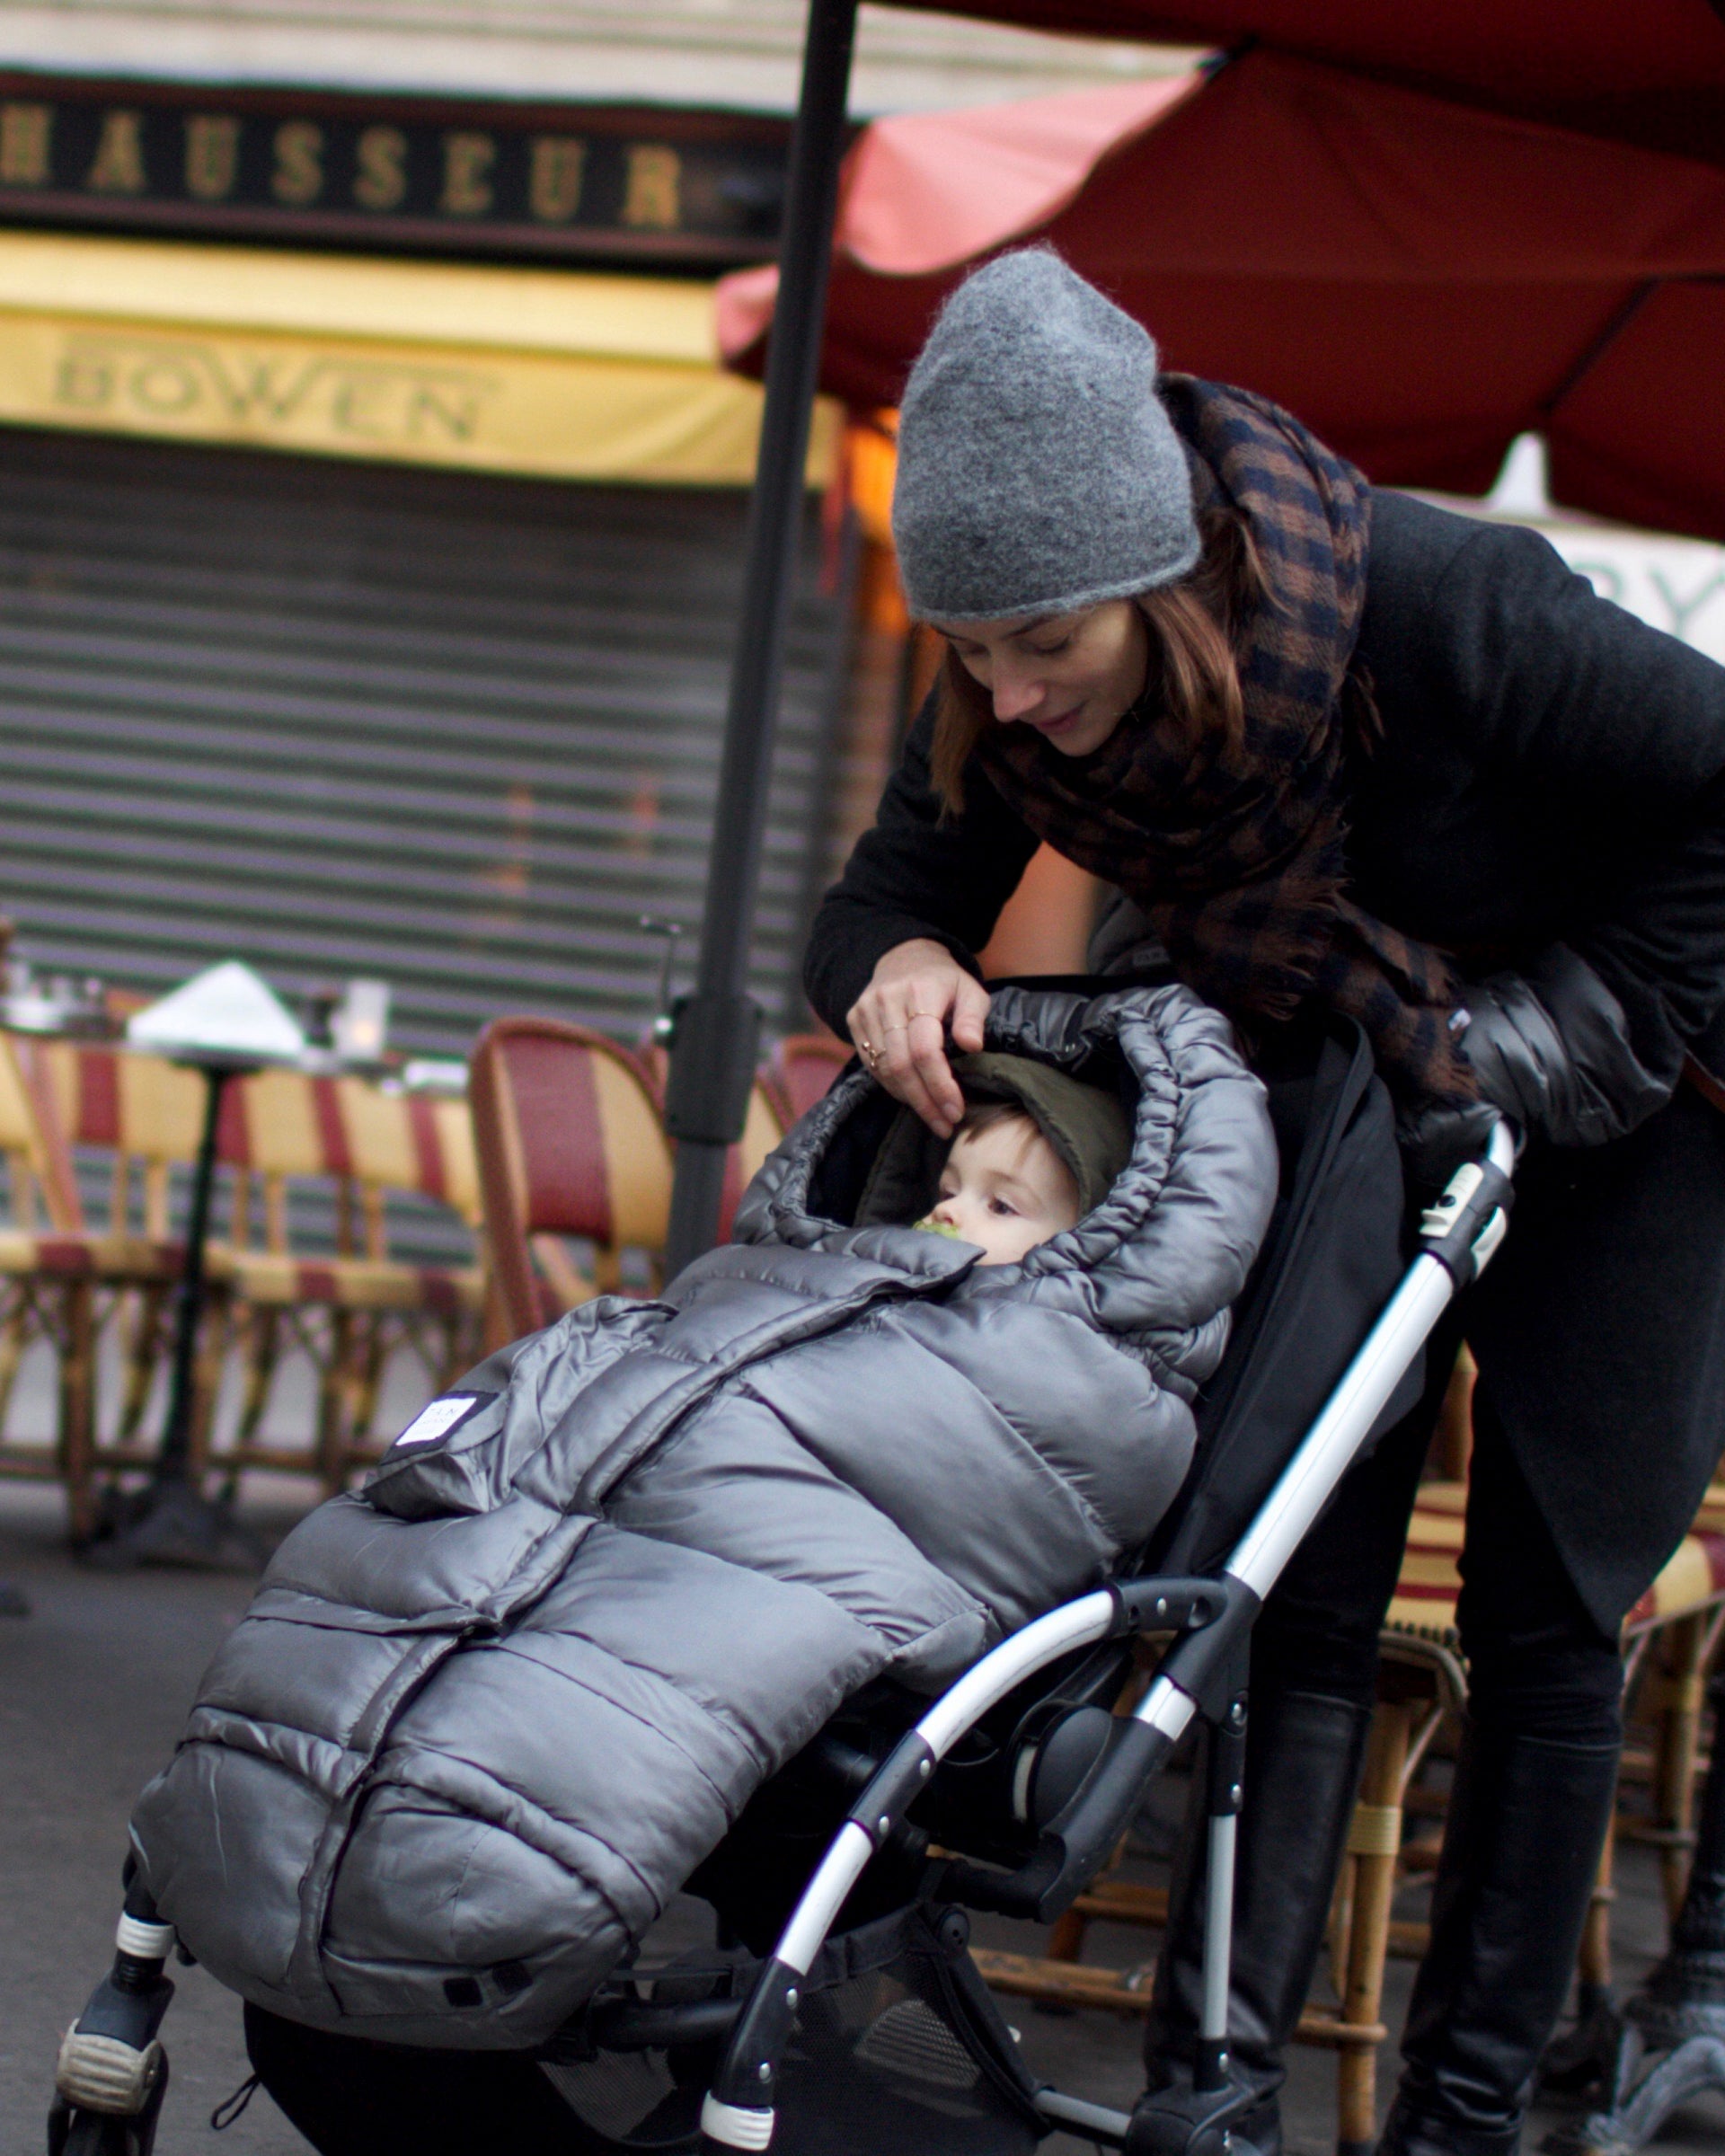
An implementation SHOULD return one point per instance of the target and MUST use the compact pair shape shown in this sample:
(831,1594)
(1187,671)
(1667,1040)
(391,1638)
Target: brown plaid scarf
(1236,851)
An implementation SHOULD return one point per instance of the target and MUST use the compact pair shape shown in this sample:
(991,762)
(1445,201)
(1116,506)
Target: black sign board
(568,181)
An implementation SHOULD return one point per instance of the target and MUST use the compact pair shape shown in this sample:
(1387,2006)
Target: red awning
(1648,71)
(1419,280)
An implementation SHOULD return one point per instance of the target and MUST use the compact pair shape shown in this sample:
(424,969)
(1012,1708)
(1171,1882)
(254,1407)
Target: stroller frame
(1200,1674)
(112,2071)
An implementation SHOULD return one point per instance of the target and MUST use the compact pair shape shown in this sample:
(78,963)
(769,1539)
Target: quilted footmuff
(486,1716)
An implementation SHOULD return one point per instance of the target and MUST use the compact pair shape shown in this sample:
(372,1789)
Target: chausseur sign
(397,172)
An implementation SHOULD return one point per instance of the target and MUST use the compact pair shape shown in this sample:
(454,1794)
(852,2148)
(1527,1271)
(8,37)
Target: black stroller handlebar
(1463,1228)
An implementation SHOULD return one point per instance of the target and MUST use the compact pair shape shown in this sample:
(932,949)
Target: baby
(1035,1151)
(1003,1187)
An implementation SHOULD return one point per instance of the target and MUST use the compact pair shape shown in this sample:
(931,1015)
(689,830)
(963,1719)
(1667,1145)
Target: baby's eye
(1001,1205)
(1051,650)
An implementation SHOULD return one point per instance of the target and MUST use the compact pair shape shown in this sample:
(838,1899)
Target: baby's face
(1006,1189)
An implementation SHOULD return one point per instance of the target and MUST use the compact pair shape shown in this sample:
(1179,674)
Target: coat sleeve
(915,875)
(1578,699)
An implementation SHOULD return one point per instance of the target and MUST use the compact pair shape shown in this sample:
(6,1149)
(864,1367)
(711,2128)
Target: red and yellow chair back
(39,1164)
(147,1112)
(570,1145)
(365,1139)
(801,1071)
(764,1126)
(1430,1581)
(397,1141)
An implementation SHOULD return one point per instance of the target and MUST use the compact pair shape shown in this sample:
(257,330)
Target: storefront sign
(1677,585)
(575,377)
(285,391)
(366,173)
(552,417)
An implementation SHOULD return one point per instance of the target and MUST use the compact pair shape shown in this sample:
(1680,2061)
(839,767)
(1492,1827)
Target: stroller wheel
(75,2132)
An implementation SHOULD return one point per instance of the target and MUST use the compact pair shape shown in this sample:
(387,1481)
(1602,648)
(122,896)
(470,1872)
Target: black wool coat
(1551,769)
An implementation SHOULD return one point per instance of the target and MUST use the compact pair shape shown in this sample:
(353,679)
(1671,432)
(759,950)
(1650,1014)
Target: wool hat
(1039,471)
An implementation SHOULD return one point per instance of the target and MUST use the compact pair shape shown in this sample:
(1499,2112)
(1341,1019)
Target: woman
(1336,747)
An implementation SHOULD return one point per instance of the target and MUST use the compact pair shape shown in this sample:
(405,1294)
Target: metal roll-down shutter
(336,720)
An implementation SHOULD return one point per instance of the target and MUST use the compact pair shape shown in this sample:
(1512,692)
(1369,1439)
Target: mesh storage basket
(896,2046)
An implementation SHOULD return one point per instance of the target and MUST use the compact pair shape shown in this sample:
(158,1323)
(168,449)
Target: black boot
(1527,1822)
(1303,1760)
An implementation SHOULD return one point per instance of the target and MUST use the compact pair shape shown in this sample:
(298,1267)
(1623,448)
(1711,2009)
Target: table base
(171,1524)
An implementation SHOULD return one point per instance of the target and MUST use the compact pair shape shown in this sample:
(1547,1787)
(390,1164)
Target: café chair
(570,1150)
(416,1147)
(763,1124)
(801,1069)
(68,1283)
(144,1118)
(354,1144)
(45,1271)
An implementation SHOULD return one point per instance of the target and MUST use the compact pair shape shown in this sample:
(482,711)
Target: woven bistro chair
(765,1122)
(46,1276)
(763,1127)
(1669,1639)
(143,1117)
(1423,1685)
(571,1149)
(69,1282)
(350,1308)
(800,1071)
(420,1147)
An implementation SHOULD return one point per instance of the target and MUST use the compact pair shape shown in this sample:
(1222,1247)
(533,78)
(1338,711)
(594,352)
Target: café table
(171,1521)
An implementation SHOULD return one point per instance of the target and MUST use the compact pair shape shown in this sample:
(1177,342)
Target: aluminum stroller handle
(1460,1233)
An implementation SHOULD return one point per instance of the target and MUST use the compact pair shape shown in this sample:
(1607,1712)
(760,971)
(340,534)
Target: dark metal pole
(718,1027)
(173,1464)
(172,1522)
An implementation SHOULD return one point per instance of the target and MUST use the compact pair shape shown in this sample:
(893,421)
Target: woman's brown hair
(1193,678)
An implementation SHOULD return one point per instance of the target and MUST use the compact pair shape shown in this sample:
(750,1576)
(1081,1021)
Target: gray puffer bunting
(485,1716)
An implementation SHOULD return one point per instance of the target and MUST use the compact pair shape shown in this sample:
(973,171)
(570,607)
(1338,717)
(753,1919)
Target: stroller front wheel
(73,2131)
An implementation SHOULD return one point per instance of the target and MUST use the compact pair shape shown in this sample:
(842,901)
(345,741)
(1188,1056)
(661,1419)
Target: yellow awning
(542,372)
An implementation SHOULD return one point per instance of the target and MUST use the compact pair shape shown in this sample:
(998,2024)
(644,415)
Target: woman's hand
(899,1024)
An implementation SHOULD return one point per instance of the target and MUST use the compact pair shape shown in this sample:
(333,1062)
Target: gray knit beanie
(1038,470)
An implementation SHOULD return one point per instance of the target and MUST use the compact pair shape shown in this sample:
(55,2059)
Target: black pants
(354,2098)
(1538,1661)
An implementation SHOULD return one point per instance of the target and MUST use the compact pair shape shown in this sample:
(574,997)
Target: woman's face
(1072,676)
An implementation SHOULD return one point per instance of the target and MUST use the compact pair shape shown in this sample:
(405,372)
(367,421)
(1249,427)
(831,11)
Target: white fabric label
(438,1419)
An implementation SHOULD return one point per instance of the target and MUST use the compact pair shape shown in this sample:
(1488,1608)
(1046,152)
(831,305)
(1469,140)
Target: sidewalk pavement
(93,1686)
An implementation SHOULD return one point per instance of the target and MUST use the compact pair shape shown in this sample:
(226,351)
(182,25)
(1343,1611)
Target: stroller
(849,2020)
